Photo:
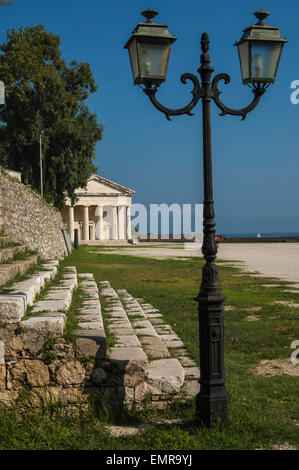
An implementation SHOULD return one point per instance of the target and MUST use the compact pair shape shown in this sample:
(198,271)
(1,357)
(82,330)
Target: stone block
(2,376)
(71,269)
(85,276)
(99,375)
(129,359)
(154,347)
(191,388)
(71,373)
(92,325)
(47,325)
(12,308)
(90,318)
(28,371)
(28,288)
(90,343)
(2,355)
(52,305)
(165,376)
(124,341)
(192,372)
(119,330)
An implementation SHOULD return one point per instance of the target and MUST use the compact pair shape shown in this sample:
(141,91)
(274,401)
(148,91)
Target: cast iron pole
(212,400)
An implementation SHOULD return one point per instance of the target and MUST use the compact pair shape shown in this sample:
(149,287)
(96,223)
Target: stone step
(151,357)
(7,253)
(59,298)
(9,271)
(13,304)
(91,338)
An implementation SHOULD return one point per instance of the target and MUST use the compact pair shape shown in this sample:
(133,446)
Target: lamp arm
(258,90)
(197,93)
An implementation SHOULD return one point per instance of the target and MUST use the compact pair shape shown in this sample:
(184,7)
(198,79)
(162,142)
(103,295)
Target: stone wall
(28,219)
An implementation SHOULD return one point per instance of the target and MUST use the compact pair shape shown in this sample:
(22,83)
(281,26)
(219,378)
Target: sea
(263,234)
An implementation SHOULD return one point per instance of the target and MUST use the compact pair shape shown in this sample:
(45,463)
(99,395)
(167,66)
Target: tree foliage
(45,95)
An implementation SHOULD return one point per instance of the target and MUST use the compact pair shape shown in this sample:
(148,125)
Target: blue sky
(255,162)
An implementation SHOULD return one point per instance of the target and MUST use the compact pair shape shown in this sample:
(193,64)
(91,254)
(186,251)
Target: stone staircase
(8,267)
(147,358)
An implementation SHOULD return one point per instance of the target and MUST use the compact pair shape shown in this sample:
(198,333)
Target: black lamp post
(259,52)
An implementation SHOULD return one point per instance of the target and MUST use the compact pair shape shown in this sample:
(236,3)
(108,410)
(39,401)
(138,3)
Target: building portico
(101,213)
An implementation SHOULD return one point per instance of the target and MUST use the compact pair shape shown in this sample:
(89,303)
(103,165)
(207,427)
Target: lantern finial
(261,15)
(149,14)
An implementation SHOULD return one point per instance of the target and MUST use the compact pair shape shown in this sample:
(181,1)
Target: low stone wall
(49,370)
(28,219)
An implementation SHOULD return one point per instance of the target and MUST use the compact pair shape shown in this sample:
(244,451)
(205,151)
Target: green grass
(264,409)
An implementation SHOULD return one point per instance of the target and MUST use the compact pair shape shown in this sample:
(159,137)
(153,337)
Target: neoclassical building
(102,211)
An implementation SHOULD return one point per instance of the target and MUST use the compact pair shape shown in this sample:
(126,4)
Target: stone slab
(51,306)
(191,388)
(93,325)
(28,288)
(187,361)
(192,372)
(60,294)
(2,354)
(165,376)
(127,341)
(89,318)
(150,331)
(127,359)
(85,276)
(12,308)
(118,330)
(46,325)
(154,347)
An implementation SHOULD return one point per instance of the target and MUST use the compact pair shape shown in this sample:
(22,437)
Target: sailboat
(258,235)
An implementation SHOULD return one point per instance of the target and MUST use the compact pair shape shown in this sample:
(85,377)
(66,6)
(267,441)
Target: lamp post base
(212,410)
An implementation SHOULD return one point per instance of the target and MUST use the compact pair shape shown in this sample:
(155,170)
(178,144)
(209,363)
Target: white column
(128,223)
(71,222)
(115,223)
(99,223)
(85,223)
(122,222)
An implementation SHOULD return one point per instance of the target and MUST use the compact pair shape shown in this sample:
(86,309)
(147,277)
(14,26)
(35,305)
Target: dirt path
(280,260)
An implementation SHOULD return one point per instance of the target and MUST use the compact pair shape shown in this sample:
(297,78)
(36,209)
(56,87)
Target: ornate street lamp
(259,51)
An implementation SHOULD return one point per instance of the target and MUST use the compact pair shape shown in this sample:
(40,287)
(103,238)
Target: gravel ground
(280,260)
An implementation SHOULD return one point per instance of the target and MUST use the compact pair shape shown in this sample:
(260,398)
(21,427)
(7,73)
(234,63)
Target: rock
(71,373)
(99,376)
(12,308)
(165,376)
(191,388)
(2,356)
(31,372)
(2,376)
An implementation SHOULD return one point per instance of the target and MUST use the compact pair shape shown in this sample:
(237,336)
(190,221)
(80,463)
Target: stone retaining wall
(28,219)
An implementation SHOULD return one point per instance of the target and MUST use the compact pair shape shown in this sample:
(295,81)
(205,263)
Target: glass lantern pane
(134,59)
(154,60)
(264,60)
(244,59)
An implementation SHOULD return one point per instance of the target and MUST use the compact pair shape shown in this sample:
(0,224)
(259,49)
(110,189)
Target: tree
(45,95)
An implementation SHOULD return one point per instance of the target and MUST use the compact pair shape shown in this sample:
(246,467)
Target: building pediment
(97,185)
